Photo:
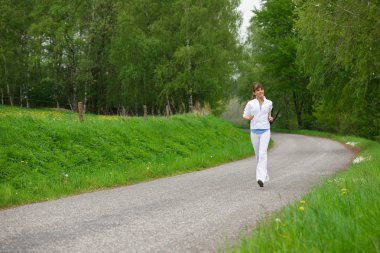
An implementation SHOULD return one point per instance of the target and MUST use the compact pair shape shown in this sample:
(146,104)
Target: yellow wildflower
(302,202)
(343,191)
(301,208)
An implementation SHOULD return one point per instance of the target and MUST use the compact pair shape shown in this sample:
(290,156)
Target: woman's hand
(270,118)
(248,117)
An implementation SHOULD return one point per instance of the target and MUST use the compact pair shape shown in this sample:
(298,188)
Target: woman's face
(259,93)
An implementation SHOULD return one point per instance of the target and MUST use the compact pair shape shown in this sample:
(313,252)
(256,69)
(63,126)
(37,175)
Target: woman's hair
(256,86)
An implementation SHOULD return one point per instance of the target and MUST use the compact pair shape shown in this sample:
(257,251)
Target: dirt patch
(354,150)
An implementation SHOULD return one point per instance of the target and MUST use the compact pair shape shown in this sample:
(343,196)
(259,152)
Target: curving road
(195,212)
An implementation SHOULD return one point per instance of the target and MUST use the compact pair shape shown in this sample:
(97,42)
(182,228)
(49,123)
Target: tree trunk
(167,112)
(168,105)
(6,81)
(124,111)
(21,96)
(191,106)
(2,96)
(56,87)
(26,88)
(80,111)
(27,102)
(297,108)
(173,106)
(74,102)
(190,84)
(85,99)
(286,108)
(71,106)
(9,95)
(145,111)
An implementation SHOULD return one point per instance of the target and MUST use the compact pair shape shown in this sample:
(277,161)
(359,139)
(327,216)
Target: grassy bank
(340,215)
(45,154)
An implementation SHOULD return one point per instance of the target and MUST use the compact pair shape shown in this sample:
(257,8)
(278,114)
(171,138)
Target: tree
(340,52)
(206,56)
(178,53)
(271,49)
(98,26)
(14,69)
(118,55)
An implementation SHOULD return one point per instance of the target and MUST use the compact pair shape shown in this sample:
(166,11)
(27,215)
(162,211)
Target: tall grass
(340,215)
(45,154)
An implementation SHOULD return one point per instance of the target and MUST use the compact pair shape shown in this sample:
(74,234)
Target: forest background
(319,60)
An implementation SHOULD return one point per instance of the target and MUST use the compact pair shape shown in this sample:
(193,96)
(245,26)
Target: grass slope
(340,215)
(45,154)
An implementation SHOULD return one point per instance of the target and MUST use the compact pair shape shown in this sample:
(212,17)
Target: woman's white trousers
(260,144)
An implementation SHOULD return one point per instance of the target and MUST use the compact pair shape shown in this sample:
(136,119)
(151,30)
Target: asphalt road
(195,212)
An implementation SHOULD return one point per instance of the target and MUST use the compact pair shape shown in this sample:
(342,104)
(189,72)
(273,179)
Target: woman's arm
(270,118)
(247,114)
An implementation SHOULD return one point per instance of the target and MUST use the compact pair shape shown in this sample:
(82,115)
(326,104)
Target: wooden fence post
(145,111)
(167,111)
(80,110)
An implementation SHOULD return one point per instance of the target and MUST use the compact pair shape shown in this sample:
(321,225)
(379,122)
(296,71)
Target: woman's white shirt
(260,114)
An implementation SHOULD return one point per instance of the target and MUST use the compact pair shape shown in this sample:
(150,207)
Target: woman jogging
(258,111)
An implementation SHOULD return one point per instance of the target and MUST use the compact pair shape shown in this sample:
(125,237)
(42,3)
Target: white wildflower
(358,159)
(352,143)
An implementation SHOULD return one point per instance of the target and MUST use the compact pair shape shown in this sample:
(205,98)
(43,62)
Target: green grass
(342,214)
(46,154)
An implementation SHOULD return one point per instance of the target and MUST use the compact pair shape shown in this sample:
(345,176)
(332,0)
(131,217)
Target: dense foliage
(319,60)
(339,51)
(320,63)
(271,48)
(117,56)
